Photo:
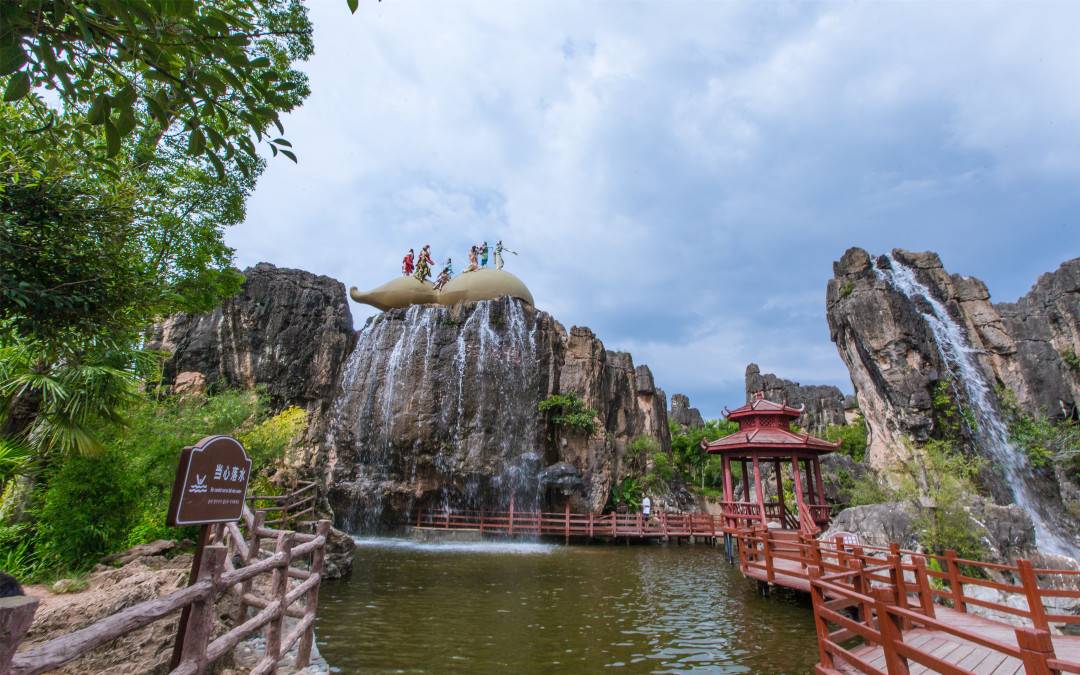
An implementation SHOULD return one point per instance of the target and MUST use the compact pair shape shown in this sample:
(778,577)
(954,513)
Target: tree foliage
(569,412)
(212,73)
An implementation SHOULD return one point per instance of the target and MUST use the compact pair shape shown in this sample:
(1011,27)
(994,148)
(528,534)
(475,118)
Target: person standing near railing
(646,508)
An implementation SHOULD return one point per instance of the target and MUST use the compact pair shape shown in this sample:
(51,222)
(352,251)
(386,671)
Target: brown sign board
(211,483)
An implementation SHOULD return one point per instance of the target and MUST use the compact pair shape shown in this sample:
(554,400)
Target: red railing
(568,524)
(893,590)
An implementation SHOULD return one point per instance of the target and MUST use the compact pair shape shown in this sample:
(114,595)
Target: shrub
(947,479)
(1042,439)
(852,437)
(86,511)
(1071,359)
(568,411)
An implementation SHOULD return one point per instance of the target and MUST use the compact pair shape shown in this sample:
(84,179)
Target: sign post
(209,488)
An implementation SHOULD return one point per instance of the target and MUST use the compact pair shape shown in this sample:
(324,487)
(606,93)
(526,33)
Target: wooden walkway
(565,524)
(884,610)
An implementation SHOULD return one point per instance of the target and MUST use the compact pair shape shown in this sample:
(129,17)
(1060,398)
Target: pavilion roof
(763,406)
(770,438)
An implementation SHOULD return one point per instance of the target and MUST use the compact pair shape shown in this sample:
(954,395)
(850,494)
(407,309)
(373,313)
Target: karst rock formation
(903,325)
(428,406)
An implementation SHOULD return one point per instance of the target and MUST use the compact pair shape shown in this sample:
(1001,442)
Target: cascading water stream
(438,396)
(991,432)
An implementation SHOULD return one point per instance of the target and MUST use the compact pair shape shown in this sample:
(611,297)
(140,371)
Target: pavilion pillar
(820,481)
(797,479)
(811,497)
(745,482)
(779,490)
(757,491)
(729,494)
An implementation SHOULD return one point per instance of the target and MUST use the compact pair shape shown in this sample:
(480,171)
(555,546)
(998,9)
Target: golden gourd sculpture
(480,284)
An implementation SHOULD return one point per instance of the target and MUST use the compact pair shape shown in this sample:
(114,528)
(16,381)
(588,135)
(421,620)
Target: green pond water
(540,608)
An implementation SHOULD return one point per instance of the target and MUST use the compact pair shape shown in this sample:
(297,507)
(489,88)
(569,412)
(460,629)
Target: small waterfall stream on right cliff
(991,432)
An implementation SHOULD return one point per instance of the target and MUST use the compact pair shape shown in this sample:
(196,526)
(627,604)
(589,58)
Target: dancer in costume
(424,263)
(444,276)
(483,254)
(499,248)
(407,264)
(473,252)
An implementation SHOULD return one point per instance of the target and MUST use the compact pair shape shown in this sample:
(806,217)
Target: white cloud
(680,176)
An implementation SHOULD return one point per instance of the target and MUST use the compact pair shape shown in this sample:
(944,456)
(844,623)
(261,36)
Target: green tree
(568,411)
(691,460)
(212,73)
(852,437)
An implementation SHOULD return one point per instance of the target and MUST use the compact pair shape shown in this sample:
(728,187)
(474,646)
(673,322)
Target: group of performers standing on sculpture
(420,266)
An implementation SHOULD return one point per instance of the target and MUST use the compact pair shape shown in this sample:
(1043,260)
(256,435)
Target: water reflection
(493,607)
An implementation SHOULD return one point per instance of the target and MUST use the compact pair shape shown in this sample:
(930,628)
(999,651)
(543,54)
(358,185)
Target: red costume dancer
(407,264)
(425,255)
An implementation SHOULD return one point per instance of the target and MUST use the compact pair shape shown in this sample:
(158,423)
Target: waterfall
(991,432)
(438,409)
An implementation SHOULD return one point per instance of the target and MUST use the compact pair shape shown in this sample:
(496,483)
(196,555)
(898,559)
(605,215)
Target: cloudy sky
(680,176)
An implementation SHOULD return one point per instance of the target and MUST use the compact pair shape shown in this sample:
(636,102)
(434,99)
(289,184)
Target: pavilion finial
(759,395)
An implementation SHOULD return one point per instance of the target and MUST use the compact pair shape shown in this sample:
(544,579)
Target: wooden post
(590,524)
(566,523)
(861,585)
(796,478)
(729,494)
(766,550)
(200,625)
(780,491)
(841,558)
(817,600)
(890,633)
(820,481)
(926,597)
(1031,590)
(318,559)
(279,587)
(16,615)
(955,585)
(758,492)
(896,574)
(1036,647)
(181,628)
(512,515)
(811,490)
(253,554)
(745,481)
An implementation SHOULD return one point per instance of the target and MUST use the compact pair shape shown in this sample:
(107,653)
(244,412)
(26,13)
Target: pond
(492,607)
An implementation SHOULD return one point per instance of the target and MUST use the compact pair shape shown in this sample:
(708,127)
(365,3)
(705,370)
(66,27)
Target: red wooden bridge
(611,526)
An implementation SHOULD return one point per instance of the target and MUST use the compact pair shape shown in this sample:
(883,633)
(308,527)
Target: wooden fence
(567,524)
(294,510)
(230,564)
(887,590)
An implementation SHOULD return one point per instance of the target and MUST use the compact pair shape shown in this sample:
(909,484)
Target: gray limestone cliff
(425,407)
(824,404)
(682,414)
(907,329)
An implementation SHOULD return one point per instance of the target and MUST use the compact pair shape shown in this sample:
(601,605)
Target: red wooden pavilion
(764,437)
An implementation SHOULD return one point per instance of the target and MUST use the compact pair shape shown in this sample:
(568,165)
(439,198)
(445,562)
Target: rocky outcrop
(288,331)
(428,406)
(824,404)
(682,414)
(1004,533)
(439,408)
(908,330)
(890,350)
